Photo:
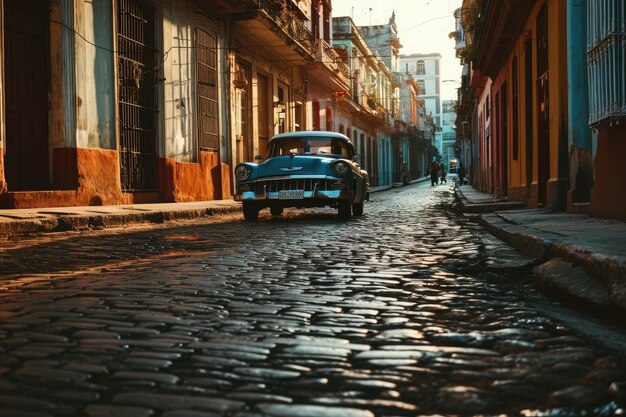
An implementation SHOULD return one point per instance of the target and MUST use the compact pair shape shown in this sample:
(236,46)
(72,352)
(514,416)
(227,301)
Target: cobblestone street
(409,310)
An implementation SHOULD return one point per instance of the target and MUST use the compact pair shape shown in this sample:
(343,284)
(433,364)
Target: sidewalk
(578,255)
(15,222)
(22,221)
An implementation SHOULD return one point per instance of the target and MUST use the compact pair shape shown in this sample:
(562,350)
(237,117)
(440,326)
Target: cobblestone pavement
(409,310)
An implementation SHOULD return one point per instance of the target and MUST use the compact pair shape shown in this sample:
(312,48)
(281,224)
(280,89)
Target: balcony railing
(325,54)
(288,23)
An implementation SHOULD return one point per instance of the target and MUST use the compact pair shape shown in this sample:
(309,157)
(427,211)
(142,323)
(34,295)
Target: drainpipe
(228,151)
(69,74)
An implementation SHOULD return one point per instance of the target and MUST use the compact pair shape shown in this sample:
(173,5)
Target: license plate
(291,195)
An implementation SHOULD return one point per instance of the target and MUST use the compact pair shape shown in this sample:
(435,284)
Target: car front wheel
(357,209)
(345,209)
(250,211)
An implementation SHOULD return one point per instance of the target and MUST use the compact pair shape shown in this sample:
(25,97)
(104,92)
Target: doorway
(27,86)
(263,106)
(243,112)
(543,106)
(529,116)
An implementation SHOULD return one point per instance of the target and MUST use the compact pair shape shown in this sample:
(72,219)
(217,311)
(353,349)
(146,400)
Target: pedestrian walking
(461,173)
(443,174)
(434,173)
(406,179)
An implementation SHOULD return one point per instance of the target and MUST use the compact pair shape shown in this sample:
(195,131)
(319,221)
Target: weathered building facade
(128,103)
(545,104)
(426,69)
(365,114)
(136,101)
(414,139)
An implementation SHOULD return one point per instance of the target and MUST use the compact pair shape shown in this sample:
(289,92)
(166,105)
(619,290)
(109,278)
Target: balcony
(282,30)
(327,65)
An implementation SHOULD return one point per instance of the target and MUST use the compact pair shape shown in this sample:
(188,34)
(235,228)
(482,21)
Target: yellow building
(519,75)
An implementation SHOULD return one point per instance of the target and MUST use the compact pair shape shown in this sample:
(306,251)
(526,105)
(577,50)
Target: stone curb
(606,283)
(65,223)
(607,271)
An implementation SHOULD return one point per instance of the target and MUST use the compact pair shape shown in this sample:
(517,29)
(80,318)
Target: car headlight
(340,168)
(242,172)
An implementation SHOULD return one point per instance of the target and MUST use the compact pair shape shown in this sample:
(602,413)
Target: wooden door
(503,139)
(529,115)
(543,105)
(265,131)
(243,112)
(27,69)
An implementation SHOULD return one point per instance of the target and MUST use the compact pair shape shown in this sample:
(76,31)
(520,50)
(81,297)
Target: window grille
(208,108)
(138,107)
(606,60)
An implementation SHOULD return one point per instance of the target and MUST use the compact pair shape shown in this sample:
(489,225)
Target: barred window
(208,108)
(606,59)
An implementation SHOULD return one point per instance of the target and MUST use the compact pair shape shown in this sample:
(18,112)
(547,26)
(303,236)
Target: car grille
(306,184)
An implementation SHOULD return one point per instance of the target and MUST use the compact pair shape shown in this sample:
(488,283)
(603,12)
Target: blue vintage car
(303,169)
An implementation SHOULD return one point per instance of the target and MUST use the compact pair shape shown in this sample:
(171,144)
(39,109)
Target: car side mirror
(257,157)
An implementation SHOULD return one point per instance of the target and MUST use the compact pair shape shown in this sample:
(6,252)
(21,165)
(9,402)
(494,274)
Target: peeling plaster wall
(192,181)
(95,77)
(178,107)
(87,165)
(96,185)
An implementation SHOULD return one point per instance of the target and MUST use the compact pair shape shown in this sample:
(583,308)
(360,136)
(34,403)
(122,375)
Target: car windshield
(310,146)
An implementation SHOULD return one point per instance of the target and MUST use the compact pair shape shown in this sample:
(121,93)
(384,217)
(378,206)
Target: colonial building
(598,62)
(137,101)
(426,69)
(464,146)
(415,143)
(144,101)
(366,113)
(548,114)
(102,105)
(448,133)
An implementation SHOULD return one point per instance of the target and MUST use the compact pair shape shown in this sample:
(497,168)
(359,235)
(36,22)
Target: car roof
(311,134)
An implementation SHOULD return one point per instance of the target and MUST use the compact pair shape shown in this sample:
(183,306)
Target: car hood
(295,165)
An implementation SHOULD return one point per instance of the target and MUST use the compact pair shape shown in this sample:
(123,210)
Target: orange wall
(557,67)
(608,195)
(193,181)
(84,177)
(557,50)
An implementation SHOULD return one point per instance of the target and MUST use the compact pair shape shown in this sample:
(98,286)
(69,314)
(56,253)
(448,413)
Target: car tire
(276,211)
(357,209)
(345,209)
(250,211)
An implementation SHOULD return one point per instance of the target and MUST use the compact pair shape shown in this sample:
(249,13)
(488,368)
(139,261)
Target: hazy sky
(423,27)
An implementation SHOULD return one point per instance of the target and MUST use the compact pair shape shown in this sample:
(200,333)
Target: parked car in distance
(303,169)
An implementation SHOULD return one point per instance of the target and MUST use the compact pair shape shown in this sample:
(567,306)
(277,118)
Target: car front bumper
(307,195)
